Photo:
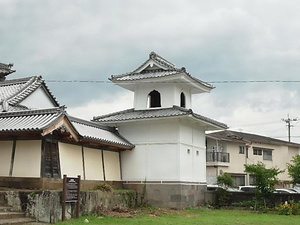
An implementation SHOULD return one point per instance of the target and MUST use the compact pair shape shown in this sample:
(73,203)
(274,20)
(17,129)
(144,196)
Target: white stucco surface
(161,152)
(27,161)
(70,160)
(112,166)
(5,157)
(170,94)
(38,100)
(93,164)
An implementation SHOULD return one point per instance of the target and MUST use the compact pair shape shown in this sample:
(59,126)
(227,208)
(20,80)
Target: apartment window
(267,154)
(257,151)
(241,149)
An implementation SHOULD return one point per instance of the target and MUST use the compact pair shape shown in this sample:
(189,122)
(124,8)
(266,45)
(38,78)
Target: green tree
(225,180)
(294,169)
(223,196)
(264,179)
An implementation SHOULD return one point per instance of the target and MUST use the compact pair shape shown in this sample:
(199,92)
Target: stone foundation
(45,206)
(170,195)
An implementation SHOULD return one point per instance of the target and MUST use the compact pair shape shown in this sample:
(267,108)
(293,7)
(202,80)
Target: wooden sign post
(71,193)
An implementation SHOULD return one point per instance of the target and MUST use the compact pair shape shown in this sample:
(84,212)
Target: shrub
(103,187)
(288,208)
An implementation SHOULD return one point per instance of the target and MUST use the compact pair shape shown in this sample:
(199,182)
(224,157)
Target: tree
(294,169)
(225,180)
(264,179)
(223,196)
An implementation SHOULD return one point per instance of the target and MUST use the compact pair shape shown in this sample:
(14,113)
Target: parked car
(249,189)
(297,190)
(283,190)
(214,187)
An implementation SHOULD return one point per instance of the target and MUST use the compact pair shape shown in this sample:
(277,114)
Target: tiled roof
(14,91)
(175,111)
(94,131)
(166,69)
(248,138)
(28,120)
(39,120)
(5,69)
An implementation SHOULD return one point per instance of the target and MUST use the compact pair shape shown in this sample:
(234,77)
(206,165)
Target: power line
(211,82)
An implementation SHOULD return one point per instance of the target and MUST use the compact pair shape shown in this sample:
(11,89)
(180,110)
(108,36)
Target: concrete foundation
(170,195)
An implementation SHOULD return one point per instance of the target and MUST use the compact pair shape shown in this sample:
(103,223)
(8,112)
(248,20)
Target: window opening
(154,99)
(241,149)
(182,100)
(257,151)
(51,159)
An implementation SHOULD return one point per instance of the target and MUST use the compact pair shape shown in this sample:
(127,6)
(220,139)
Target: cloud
(105,105)
(90,40)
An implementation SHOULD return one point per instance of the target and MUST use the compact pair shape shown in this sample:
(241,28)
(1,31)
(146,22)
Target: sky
(77,45)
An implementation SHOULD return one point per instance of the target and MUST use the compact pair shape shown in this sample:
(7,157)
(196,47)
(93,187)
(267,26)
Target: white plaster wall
(134,164)
(169,93)
(93,164)
(192,153)
(5,157)
(112,166)
(155,156)
(38,100)
(70,160)
(27,161)
(161,151)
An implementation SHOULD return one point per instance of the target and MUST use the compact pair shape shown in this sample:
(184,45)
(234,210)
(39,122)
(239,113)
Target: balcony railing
(217,157)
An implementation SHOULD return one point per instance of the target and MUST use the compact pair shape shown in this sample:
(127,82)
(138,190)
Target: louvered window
(51,167)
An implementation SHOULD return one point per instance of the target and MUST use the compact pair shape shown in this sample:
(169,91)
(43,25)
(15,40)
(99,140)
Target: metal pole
(63,213)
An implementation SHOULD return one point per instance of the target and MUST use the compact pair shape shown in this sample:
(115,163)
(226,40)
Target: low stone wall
(170,195)
(46,206)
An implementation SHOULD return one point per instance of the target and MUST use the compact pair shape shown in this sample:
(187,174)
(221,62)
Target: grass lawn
(187,217)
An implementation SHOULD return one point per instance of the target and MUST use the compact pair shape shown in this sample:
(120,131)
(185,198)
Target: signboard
(72,189)
(70,194)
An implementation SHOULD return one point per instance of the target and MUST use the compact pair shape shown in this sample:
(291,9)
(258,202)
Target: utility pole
(288,123)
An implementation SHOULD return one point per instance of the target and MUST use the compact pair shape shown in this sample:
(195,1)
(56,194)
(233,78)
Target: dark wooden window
(50,166)
(182,100)
(154,99)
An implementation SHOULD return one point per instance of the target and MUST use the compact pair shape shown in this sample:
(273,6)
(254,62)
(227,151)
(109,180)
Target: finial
(152,55)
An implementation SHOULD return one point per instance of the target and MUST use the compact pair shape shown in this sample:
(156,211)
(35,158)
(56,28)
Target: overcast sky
(232,40)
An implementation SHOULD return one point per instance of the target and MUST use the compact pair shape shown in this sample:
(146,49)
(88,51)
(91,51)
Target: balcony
(217,158)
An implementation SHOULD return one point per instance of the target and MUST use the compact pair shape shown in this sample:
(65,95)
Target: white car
(249,189)
(282,190)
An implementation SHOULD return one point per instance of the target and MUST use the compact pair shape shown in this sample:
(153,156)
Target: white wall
(5,157)
(38,100)
(112,166)
(70,160)
(27,161)
(161,151)
(93,164)
(169,93)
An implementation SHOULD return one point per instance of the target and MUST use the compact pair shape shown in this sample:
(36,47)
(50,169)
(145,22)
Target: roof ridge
(90,123)
(17,97)
(112,114)
(53,110)
(161,60)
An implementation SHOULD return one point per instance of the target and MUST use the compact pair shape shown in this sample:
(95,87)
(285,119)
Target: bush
(288,208)
(103,187)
